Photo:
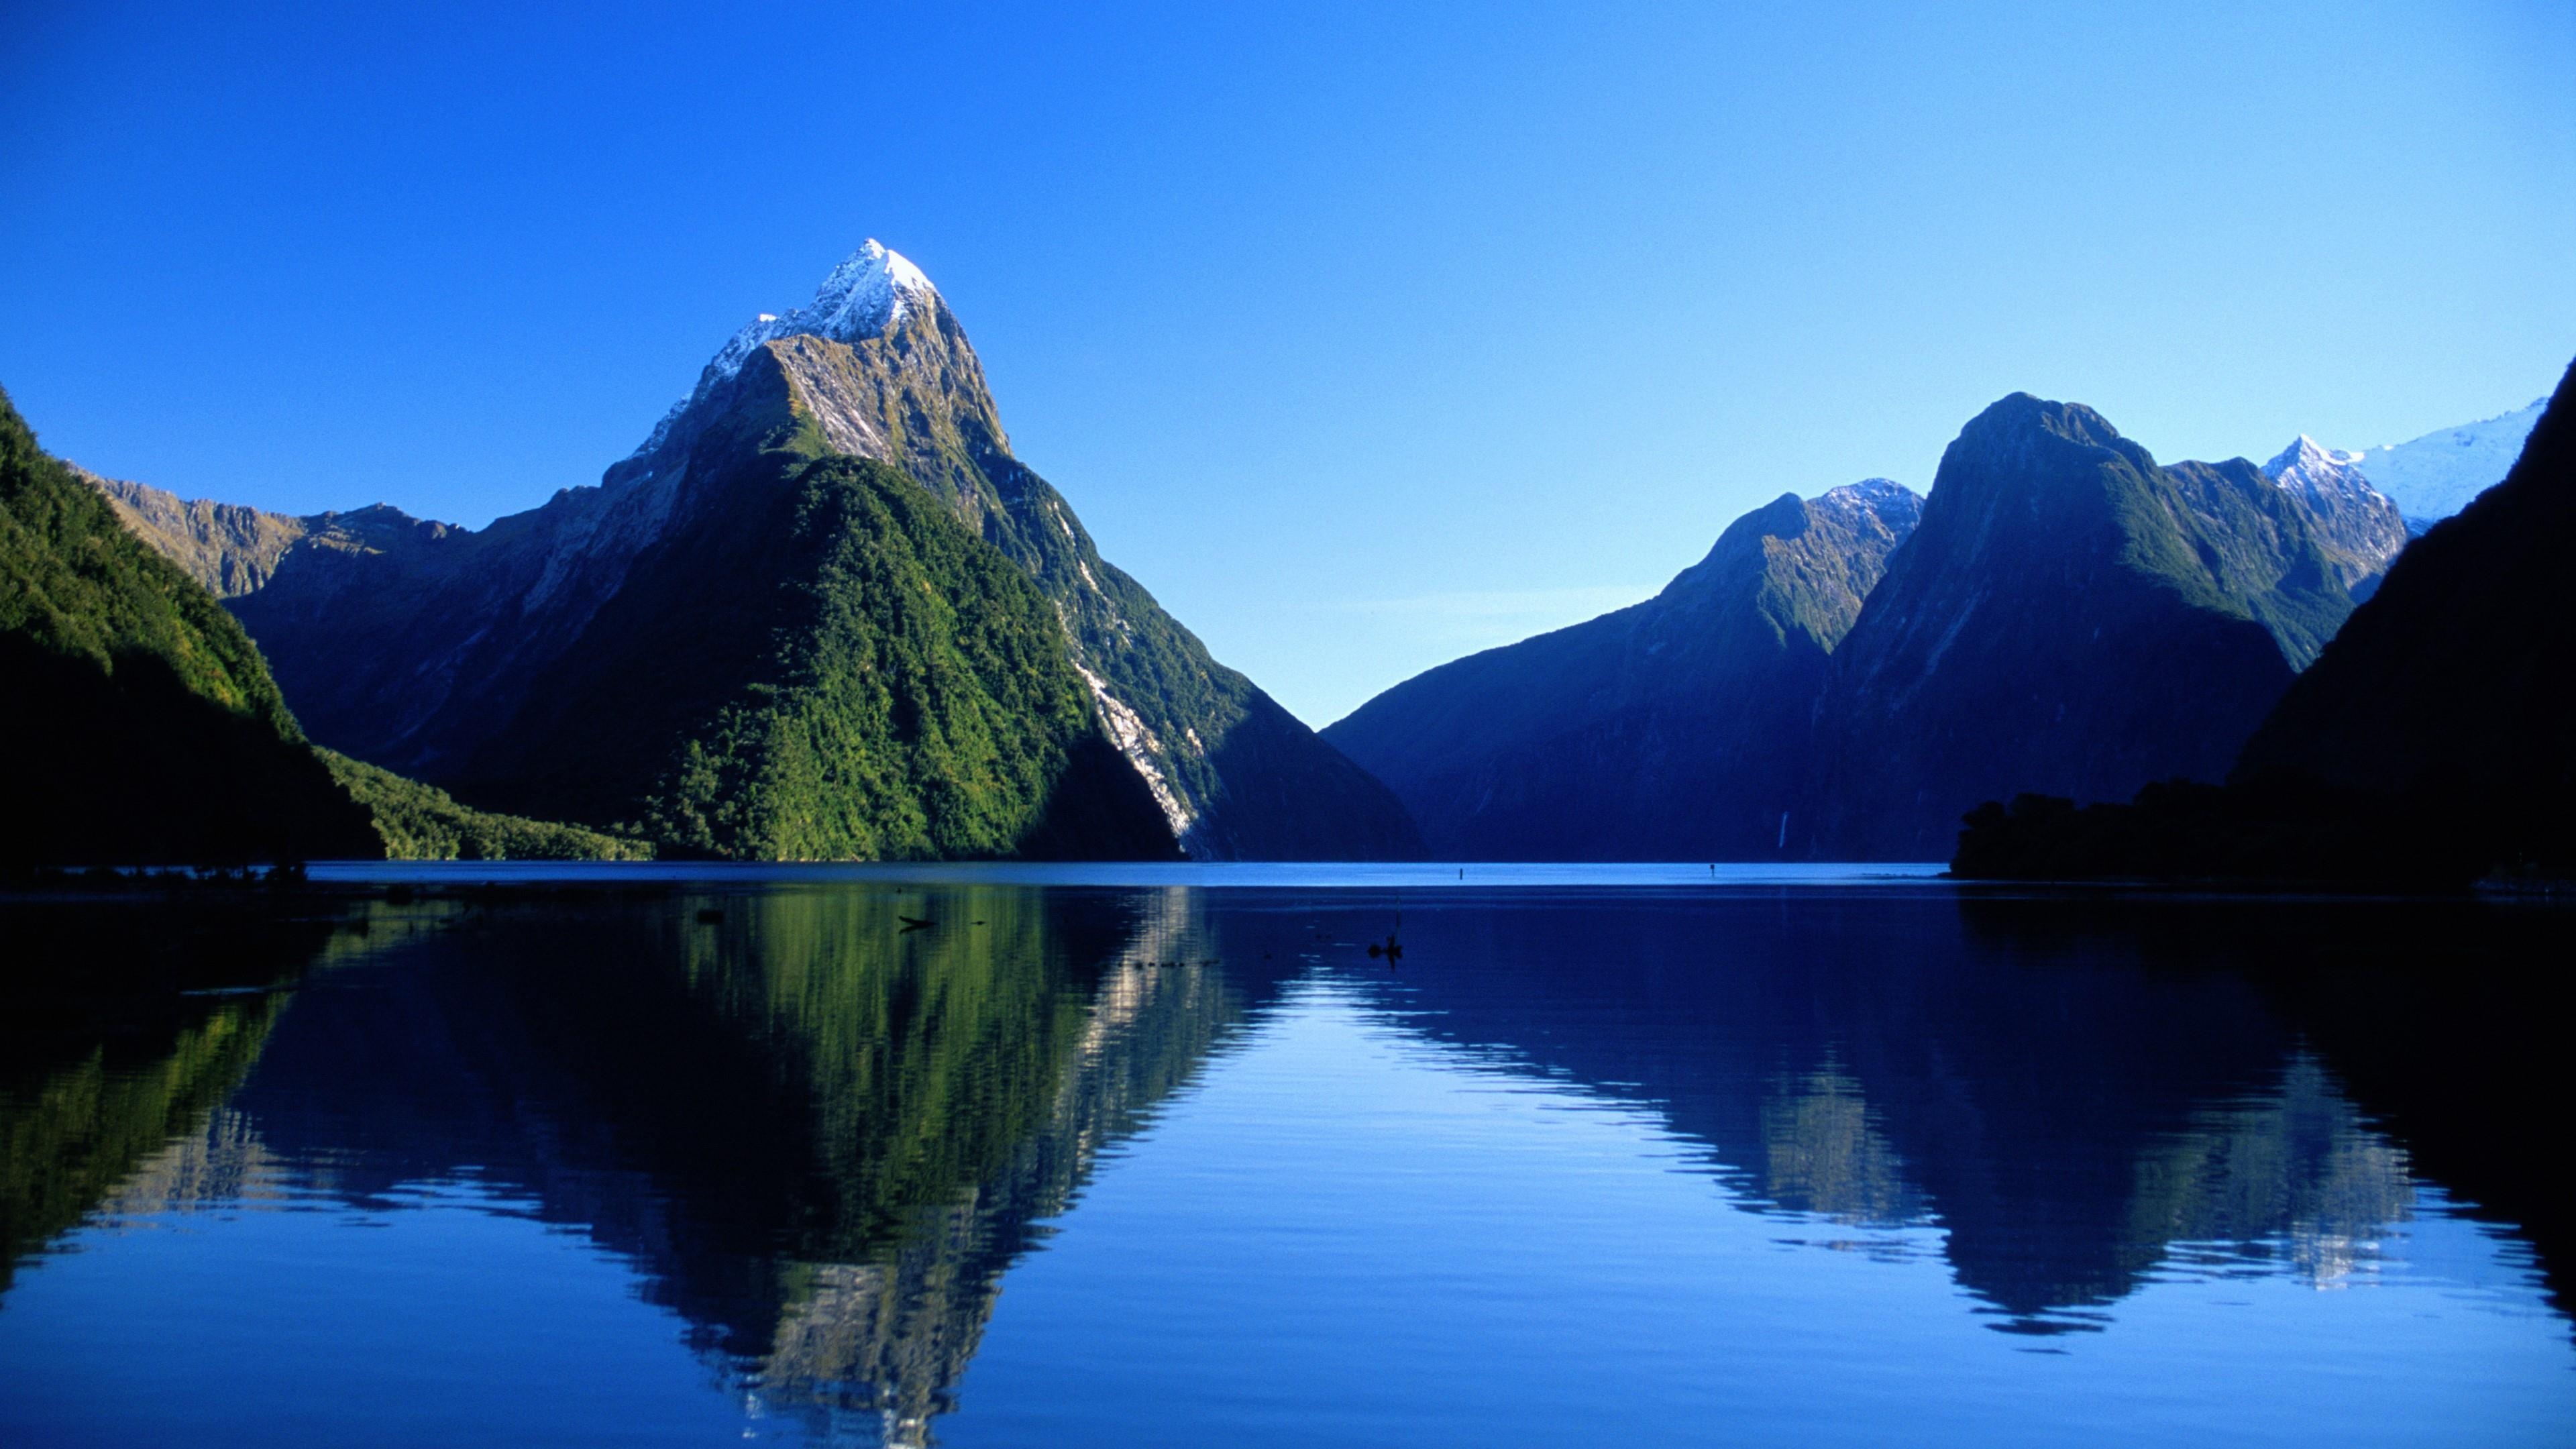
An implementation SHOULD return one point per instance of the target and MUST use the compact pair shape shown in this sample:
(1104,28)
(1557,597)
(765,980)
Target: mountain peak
(2011,419)
(1876,494)
(2306,455)
(865,296)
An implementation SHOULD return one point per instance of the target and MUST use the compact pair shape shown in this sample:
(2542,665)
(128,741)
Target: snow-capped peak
(2327,477)
(2307,454)
(863,297)
(2428,478)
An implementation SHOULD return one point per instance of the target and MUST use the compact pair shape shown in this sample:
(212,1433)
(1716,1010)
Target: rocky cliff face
(2071,619)
(2359,527)
(235,550)
(1678,728)
(878,367)
(418,648)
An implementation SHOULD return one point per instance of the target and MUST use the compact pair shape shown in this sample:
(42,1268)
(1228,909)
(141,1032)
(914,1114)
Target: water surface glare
(715,1157)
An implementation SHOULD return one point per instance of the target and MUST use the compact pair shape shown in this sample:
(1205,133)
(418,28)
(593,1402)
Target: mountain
(2429,745)
(453,654)
(2435,476)
(234,550)
(2070,617)
(827,667)
(1673,729)
(2453,679)
(141,726)
(2358,522)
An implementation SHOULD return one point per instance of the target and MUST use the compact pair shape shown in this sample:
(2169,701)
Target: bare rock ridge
(418,646)
(233,549)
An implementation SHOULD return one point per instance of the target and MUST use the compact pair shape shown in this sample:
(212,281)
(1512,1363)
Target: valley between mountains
(825,612)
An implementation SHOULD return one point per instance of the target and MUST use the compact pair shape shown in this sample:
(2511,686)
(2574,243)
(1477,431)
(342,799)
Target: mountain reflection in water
(821,1139)
(2077,1096)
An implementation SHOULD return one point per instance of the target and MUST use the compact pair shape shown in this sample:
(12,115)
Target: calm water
(736,1155)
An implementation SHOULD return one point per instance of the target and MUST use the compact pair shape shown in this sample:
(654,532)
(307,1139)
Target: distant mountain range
(743,642)
(1679,728)
(824,612)
(2434,476)
(1839,680)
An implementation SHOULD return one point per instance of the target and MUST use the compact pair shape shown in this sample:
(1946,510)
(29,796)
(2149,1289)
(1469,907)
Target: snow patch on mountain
(2362,525)
(865,296)
(1897,506)
(2435,476)
(2317,472)
(2428,478)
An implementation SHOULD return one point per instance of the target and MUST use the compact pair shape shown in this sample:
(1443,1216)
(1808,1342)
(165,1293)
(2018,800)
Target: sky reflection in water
(1809,1164)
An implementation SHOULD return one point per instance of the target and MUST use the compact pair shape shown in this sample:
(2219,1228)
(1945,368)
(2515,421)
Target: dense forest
(142,726)
(828,667)
(422,822)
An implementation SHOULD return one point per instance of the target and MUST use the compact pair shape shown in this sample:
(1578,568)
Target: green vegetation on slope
(2070,617)
(423,822)
(1247,779)
(827,665)
(127,1023)
(142,725)
(2430,744)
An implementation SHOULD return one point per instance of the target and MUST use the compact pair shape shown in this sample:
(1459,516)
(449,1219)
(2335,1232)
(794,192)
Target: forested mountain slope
(2071,618)
(1678,728)
(417,646)
(141,725)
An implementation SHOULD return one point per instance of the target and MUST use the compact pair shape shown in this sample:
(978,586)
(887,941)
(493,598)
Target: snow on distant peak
(865,295)
(1896,507)
(2307,453)
(2428,478)
(2323,475)
(2435,476)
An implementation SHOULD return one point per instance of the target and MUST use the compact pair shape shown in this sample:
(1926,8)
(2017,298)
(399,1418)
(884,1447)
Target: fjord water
(715,1156)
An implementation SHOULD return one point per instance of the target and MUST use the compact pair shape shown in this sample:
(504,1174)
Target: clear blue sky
(1363,335)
